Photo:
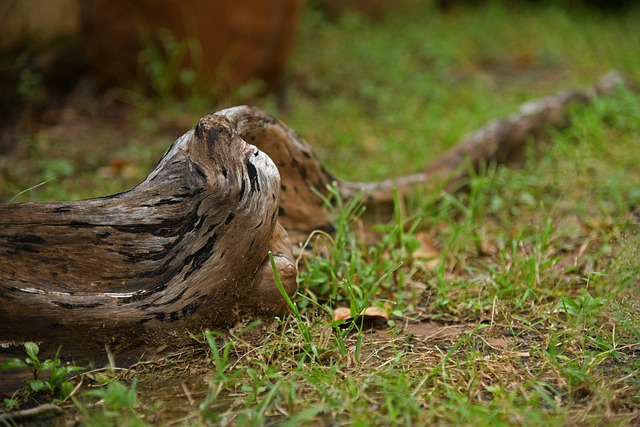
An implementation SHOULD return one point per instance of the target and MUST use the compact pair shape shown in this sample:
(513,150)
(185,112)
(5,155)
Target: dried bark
(301,210)
(184,250)
(187,248)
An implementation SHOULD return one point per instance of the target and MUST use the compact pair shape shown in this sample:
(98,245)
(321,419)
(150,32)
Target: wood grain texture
(301,210)
(184,250)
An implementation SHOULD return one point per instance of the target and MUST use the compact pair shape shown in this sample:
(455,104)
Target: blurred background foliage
(377,89)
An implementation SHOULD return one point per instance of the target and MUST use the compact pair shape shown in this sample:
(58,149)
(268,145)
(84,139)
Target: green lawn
(530,314)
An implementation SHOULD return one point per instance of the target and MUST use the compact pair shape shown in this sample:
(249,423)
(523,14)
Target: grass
(529,314)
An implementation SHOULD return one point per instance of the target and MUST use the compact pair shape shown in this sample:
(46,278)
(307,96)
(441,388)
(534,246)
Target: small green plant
(583,309)
(309,347)
(222,377)
(117,402)
(324,274)
(57,385)
(344,267)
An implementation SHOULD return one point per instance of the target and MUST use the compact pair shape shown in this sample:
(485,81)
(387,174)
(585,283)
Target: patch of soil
(87,131)
(436,330)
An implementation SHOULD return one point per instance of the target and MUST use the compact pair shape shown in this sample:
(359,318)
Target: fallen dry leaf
(426,251)
(344,313)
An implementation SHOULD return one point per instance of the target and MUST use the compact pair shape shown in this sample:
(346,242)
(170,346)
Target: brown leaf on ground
(369,313)
(426,251)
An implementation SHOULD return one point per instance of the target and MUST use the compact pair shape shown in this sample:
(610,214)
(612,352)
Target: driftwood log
(187,249)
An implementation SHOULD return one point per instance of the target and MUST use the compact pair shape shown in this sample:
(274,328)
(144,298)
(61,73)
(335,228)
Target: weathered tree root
(187,248)
(502,140)
(184,250)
